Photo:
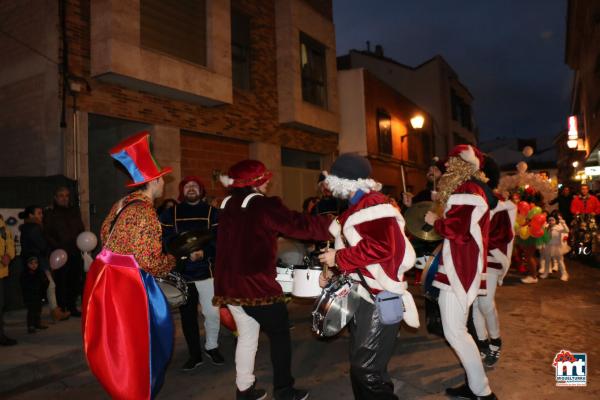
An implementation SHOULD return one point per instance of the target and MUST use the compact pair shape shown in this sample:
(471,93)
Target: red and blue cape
(127,327)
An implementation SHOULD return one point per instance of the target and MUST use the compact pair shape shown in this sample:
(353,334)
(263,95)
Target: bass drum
(335,307)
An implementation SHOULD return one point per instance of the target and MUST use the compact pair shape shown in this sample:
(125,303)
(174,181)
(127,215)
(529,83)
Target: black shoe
(493,353)
(483,347)
(75,312)
(6,341)
(464,392)
(291,394)
(215,356)
(40,326)
(192,363)
(31,329)
(251,393)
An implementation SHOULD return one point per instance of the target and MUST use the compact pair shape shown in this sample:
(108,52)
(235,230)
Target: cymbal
(415,221)
(188,242)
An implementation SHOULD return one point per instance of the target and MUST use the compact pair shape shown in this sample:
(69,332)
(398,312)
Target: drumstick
(325,265)
(403,178)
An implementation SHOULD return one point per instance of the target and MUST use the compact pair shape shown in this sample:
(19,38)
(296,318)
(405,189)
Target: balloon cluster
(531,223)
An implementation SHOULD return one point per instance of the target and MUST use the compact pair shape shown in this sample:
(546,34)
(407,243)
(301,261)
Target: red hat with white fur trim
(468,153)
(251,173)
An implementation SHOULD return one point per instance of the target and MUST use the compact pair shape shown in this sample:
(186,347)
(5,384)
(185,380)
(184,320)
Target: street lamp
(572,143)
(417,121)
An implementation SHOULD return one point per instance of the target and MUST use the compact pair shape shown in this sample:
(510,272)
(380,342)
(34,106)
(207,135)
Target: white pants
(212,319)
(247,345)
(51,291)
(454,321)
(485,314)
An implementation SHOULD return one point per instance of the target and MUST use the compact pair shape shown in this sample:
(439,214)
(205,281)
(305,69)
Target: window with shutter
(175,27)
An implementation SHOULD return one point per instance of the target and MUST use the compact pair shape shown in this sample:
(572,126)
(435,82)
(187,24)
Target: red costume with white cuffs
(501,238)
(465,228)
(378,247)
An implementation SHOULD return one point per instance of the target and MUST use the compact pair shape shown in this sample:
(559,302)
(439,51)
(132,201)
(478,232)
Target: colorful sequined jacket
(137,232)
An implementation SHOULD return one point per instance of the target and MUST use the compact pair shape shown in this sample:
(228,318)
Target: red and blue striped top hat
(134,153)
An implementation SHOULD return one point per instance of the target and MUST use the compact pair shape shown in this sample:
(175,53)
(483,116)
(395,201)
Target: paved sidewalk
(537,321)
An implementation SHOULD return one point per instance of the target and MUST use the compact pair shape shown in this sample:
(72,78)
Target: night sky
(509,53)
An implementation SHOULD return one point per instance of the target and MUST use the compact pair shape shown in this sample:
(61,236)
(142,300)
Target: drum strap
(364,283)
(114,221)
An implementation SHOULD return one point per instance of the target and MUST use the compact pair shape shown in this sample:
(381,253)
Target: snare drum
(306,281)
(174,288)
(285,277)
(335,307)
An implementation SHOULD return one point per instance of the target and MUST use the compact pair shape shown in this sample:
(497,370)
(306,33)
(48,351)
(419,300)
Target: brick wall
(252,116)
(203,154)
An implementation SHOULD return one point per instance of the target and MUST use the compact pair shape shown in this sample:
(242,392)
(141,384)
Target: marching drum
(335,307)
(174,288)
(306,281)
(285,277)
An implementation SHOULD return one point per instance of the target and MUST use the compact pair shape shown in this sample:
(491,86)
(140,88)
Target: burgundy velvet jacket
(247,247)
(501,238)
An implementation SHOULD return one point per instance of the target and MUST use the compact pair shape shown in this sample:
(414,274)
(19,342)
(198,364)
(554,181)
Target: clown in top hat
(127,325)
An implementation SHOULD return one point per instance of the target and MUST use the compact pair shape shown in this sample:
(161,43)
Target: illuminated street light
(575,164)
(572,143)
(417,121)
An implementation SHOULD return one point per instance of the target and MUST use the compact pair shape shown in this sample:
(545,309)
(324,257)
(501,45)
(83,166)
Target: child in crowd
(33,284)
(555,249)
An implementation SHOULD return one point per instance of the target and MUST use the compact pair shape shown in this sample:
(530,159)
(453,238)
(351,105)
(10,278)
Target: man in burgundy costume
(466,201)
(369,237)
(249,224)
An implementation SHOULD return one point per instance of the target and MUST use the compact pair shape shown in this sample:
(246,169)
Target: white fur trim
(225,180)
(495,254)
(460,199)
(469,156)
(342,187)
(380,280)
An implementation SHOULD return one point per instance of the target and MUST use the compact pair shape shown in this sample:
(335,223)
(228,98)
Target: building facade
(376,122)
(433,85)
(213,81)
(582,54)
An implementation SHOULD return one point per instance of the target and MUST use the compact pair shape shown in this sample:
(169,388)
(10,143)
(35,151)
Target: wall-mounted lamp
(417,121)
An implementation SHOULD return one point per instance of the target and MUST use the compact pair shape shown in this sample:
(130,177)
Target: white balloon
(87,241)
(87,261)
(522,166)
(527,151)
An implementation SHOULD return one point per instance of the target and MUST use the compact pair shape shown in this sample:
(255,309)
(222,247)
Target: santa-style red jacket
(501,238)
(585,205)
(247,247)
(465,228)
(369,236)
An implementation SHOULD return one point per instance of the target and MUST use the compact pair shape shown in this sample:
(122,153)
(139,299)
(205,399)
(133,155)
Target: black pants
(371,347)
(34,312)
(274,321)
(69,282)
(189,322)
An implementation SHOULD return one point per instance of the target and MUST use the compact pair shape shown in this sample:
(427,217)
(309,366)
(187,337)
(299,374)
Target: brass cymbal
(188,242)
(415,221)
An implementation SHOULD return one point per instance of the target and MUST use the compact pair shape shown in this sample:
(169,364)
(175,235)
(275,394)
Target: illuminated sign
(592,171)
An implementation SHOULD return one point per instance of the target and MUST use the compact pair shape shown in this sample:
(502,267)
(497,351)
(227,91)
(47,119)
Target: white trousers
(485,314)
(247,345)
(212,319)
(454,321)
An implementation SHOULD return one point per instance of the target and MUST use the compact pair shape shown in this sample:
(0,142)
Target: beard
(458,172)
(191,197)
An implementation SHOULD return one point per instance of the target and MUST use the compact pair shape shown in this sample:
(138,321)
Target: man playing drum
(370,240)
(466,201)
(127,326)
(193,214)
(249,223)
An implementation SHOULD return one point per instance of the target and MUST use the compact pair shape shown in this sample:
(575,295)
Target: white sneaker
(544,275)
(564,277)
(529,279)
